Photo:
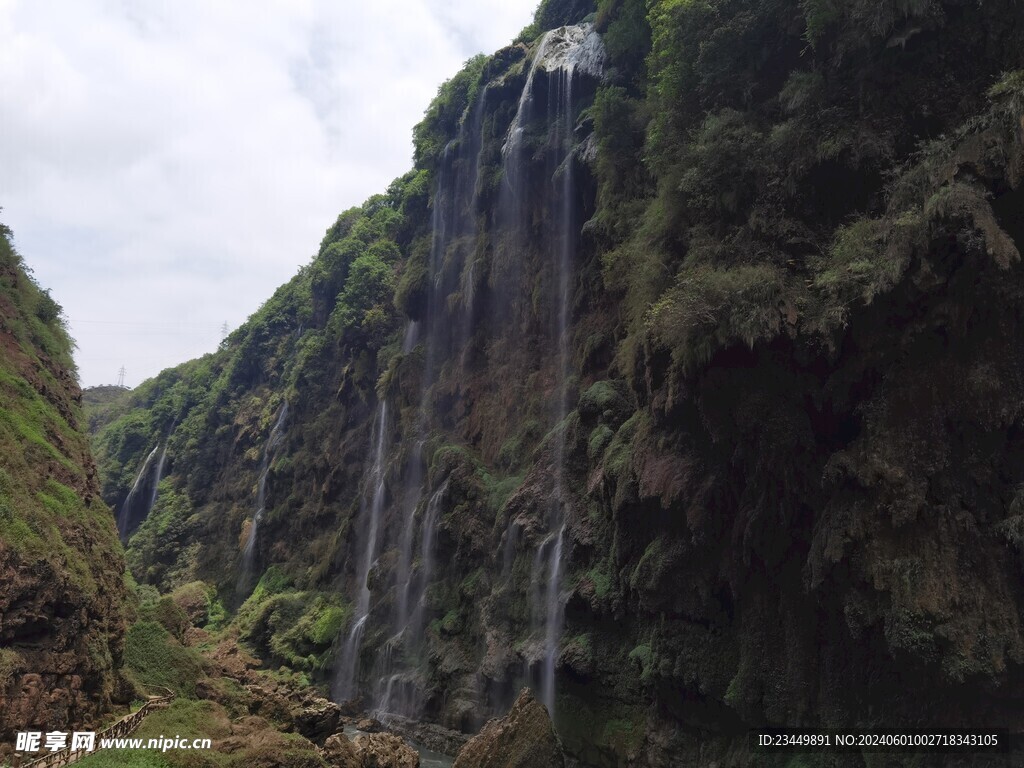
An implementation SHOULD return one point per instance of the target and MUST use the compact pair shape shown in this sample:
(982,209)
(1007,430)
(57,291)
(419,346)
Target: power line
(146,322)
(120,376)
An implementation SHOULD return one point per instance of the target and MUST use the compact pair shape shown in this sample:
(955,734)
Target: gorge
(680,381)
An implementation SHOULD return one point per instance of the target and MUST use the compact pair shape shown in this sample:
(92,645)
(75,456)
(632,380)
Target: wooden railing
(119,730)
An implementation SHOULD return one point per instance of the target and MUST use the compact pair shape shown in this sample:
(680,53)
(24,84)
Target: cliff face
(679,380)
(61,568)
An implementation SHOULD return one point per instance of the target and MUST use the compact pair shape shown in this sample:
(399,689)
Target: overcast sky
(166,165)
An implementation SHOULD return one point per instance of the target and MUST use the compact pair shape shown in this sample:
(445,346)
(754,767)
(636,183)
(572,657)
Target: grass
(154,657)
(185,718)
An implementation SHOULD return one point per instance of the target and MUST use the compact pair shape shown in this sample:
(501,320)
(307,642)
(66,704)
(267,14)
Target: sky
(166,165)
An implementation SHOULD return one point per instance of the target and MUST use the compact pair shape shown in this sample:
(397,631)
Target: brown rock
(524,738)
(233,661)
(269,704)
(430,735)
(339,752)
(195,636)
(385,750)
(318,719)
(369,725)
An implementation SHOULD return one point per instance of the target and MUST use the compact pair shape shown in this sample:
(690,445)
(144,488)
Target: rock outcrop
(385,750)
(524,738)
(62,593)
(339,752)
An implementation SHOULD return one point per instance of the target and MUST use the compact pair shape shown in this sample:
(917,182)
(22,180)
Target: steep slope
(61,568)
(679,379)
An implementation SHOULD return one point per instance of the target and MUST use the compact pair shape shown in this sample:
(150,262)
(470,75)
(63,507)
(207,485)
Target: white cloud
(166,165)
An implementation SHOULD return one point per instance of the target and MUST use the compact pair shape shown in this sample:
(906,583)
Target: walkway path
(122,728)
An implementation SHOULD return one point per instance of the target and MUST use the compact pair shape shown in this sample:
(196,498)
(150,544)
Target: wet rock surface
(434,737)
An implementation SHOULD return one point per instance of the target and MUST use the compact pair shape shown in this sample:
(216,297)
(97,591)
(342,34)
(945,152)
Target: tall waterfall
(247,570)
(453,224)
(535,220)
(346,678)
(561,55)
(566,244)
(466,197)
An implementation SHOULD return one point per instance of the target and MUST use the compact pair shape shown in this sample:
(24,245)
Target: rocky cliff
(61,568)
(679,379)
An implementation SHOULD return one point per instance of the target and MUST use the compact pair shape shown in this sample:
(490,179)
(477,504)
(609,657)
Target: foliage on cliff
(61,567)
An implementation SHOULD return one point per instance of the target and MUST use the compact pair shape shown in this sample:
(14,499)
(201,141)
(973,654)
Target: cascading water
(411,494)
(398,691)
(158,475)
(447,326)
(246,572)
(453,223)
(466,196)
(561,54)
(125,519)
(128,518)
(428,535)
(345,683)
(554,610)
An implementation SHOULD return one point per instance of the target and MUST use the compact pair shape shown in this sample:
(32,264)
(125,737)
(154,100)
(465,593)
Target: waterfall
(566,242)
(467,195)
(513,144)
(453,221)
(411,338)
(428,536)
(448,324)
(158,475)
(125,520)
(397,689)
(246,572)
(403,573)
(563,55)
(345,683)
(413,474)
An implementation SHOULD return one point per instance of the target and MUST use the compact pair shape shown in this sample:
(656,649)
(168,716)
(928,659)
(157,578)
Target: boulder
(434,737)
(317,719)
(524,738)
(369,725)
(385,750)
(269,704)
(339,752)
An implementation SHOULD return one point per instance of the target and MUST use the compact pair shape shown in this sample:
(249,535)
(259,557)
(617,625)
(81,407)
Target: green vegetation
(154,656)
(292,627)
(58,544)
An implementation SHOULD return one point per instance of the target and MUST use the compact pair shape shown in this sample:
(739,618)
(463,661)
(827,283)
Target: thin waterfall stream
(124,516)
(247,571)
(346,678)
